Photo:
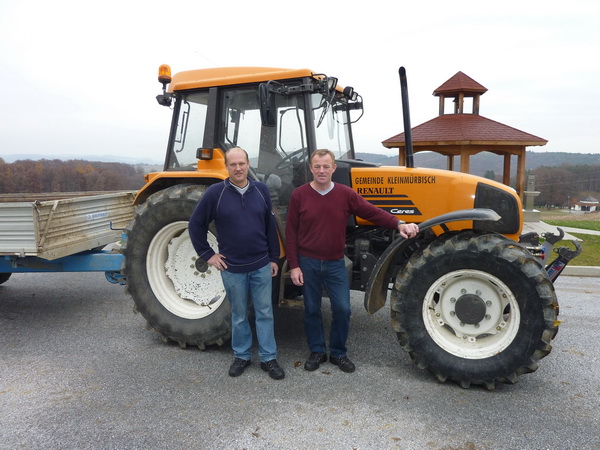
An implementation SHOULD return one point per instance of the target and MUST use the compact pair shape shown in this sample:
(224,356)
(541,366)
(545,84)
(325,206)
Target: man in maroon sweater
(315,241)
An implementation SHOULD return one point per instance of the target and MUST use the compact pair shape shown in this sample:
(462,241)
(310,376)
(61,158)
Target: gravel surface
(79,370)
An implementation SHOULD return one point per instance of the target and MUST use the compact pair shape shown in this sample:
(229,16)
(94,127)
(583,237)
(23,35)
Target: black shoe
(343,363)
(314,361)
(274,369)
(238,366)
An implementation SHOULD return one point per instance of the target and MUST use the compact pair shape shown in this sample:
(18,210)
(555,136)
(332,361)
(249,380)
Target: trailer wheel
(179,295)
(4,276)
(475,308)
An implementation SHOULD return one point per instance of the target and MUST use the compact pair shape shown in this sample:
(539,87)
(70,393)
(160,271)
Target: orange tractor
(467,300)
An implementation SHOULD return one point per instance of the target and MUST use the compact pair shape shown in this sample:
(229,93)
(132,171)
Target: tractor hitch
(565,255)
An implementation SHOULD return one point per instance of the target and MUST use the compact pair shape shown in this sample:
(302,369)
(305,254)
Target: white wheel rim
(491,310)
(174,279)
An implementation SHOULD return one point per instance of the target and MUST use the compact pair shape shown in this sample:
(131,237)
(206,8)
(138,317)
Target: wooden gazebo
(465,134)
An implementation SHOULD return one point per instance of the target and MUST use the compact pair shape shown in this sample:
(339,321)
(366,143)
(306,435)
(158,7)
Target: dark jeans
(333,277)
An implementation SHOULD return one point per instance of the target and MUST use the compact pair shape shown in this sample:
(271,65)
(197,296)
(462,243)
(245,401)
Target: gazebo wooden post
(464,160)
(521,174)
(461,102)
(402,156)
(476,98)
(506,172)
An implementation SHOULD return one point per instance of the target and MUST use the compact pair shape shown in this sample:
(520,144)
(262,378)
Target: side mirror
(268,109)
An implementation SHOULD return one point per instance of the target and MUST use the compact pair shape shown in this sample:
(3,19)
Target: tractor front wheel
(475,308)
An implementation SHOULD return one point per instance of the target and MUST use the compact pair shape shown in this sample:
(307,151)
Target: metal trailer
(63,232)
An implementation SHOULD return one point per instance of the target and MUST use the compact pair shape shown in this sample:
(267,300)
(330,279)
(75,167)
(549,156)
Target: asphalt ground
(78,370)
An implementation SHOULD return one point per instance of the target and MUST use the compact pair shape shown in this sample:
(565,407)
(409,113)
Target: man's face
(237,167)
(322,168)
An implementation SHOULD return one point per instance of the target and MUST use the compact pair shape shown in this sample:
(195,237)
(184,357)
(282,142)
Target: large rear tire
(475,308)
(179,295)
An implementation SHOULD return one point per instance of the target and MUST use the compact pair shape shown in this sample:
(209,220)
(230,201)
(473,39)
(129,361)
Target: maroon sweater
(316,224)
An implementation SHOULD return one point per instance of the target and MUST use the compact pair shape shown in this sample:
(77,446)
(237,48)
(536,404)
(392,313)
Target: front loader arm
(377,286)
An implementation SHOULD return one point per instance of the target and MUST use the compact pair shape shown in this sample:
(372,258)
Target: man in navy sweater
(248,253)
(315,242)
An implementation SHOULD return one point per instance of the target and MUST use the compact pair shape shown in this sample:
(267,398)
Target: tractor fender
(377,286)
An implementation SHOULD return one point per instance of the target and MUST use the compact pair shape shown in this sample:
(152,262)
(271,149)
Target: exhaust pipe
(406,116)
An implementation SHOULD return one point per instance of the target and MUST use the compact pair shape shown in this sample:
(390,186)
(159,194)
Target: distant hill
(480,163)
(483,162)
(100,158)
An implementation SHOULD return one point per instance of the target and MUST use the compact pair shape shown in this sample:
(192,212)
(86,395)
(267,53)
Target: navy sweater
(245,224)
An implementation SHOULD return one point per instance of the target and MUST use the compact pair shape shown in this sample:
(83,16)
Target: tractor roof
(224,76)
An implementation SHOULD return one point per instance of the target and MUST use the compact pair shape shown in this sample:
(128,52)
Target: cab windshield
(278,154)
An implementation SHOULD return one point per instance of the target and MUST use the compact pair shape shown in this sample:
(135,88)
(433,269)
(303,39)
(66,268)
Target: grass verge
(590,255)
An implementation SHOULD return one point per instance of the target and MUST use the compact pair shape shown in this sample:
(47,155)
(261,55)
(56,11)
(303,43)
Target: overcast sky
(80,78)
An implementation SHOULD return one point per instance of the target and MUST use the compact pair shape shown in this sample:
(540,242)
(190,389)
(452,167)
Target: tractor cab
(278,117)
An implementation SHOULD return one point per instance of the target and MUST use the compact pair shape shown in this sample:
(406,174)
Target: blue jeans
(333,277)
(238,287)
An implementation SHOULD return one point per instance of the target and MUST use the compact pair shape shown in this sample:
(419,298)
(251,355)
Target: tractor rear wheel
(179,295)
(475,308)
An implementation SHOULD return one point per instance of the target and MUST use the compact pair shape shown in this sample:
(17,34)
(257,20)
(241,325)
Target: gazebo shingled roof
(465,129)
(463,135)
(460,83)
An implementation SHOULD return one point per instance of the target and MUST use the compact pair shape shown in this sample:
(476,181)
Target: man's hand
(217,261)
(274,269)
(408,230)
(297,276)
